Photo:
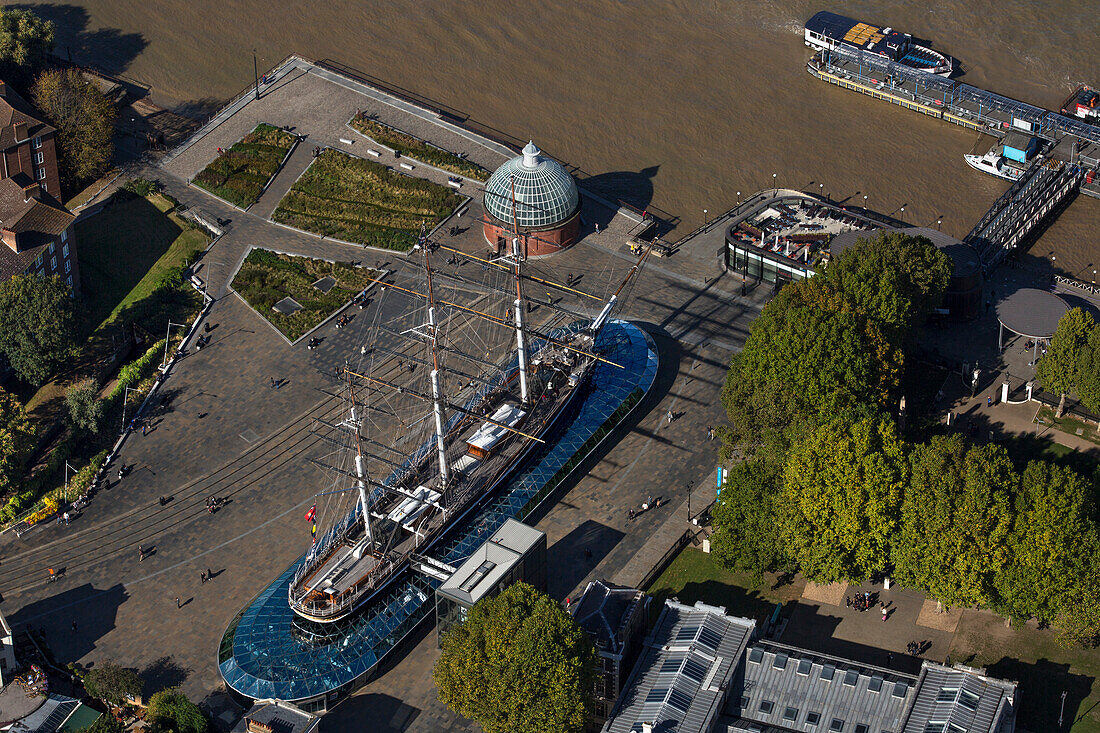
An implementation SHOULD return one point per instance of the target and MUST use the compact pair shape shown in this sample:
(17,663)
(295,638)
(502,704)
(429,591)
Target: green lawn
(365,202)
(265,278)
(240,173)
(124,253)
(694,576)
(1042,668)
(412,147)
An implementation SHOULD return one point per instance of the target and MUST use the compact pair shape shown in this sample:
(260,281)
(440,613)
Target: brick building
(36,228)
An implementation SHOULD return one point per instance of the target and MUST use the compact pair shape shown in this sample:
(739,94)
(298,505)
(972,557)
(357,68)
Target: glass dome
(545,193)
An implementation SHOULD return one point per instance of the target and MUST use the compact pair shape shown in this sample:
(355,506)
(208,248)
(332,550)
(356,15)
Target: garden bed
(265,278)
(240,174)
(413,147)
(361,201)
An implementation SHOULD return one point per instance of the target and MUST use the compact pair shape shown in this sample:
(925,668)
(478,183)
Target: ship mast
(437,389)
(360,468)
(517,255)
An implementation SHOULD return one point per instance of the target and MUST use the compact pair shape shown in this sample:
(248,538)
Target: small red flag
(312,513)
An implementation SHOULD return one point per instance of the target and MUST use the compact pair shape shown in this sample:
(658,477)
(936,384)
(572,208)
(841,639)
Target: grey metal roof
(283,717)
(961,699)
(605,610)
(682,677)
(488,563)
(1031,312)
(782,687)
(545,194)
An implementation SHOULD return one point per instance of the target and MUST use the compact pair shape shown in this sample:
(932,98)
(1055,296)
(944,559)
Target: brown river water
(686,102)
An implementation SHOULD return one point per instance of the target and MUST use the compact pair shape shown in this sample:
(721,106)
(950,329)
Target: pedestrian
(631,512)
(272,381)
(141,554)
(710,433)
(202,577)
(889,658)
(143,428)
(74,626)
(989,401)
(67,518)
(669,416)
(885,613)
(848,601)
(178,605)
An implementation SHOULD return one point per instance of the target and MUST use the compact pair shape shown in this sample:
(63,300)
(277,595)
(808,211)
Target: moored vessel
(826,31)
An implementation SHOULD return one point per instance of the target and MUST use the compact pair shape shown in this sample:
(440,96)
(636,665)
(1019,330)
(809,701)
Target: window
(744,701)
(37,141)
(766,707)
(780,661)
(39,158)
(65,250)
(813,718)
(38,260)
(861,728)
(69,280)
(875,684)
(68,265)
(657,694)
(694,669)
(968,700)
(671,665)
(755,655)
(935,726)
(51,248)
(679,700)
(837,725)
(790,714)
(41,173)
(827,672)
(65,235)
(53,264)
(687,633)
(900,688)
(947,694)
(850,677)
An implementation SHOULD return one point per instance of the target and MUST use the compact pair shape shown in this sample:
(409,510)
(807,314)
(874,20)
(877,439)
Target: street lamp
(865,204)
(125,396)
(166,335)
(775,185)
(739,203)
(256,73)
(705,221)
(67,469)
(821,190)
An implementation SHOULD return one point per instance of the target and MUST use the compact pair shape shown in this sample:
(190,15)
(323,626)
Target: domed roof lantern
(531,154)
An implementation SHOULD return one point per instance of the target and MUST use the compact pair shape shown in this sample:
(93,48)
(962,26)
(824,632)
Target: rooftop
(274,716)
(1031,312)
(545,193)
(14,110)
(490,562)
(604,610)
(960,698)
(679,682)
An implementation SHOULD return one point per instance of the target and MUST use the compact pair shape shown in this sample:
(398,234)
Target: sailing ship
(475,443)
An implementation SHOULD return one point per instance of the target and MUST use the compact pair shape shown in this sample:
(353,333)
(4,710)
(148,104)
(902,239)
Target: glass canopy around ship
(265,653)
(545,193)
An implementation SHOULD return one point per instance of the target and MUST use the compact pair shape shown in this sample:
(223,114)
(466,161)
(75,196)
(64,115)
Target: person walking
(178,604)
(669,416)
(202,577)
(885,613)
(141,554)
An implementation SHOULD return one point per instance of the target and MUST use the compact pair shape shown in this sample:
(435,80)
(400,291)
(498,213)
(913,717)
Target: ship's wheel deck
(265,653)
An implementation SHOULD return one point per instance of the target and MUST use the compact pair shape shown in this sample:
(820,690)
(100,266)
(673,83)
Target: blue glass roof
(267,652)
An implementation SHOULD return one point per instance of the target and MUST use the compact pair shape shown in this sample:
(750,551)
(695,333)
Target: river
(683,103)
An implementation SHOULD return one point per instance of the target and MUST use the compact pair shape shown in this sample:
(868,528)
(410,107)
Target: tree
(518,663)
(15,437)
(1088,376)
(171,712)
(25,42)
(105,723)
(114,684)
(1060,370)
(38,325)
(893,278)
(84,118)
(745,536)
(1051,545)
(85,408)
(841,495)
(1079,620)
(955,520)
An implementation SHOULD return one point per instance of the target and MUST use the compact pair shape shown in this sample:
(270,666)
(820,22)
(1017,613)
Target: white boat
(994,164)
(826,31)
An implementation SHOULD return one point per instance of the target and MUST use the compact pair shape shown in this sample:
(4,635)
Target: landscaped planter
(241,173)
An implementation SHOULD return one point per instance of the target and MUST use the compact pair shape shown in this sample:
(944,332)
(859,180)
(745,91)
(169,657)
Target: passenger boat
(994,164)
(480,419)
(1084,103)
(827,31)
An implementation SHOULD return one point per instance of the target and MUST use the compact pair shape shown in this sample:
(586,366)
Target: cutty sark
(477,443)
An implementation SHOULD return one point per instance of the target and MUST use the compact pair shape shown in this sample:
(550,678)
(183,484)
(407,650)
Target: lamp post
(166,335)
(775,185)
(938,222)
(821,190)
(739,203)
(705,220)
(1062,712)
(67,469)
(256,73)
(125,395)
(865,204)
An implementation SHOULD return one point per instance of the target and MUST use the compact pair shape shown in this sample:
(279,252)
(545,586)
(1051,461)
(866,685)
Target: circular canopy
(1031,312)
(545,193)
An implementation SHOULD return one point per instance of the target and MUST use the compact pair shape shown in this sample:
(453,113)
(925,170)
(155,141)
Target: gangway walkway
(937,96)
(1038,193)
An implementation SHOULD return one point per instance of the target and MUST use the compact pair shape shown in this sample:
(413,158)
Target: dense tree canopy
(1061,370)
(894,279)
(746,537)
(84,118)
(15,435)
(1054,537)
(955,520)
(842,490)
(518,663)
(112,683)
(171,712)
(38,325)
(86,410)
(25,42)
